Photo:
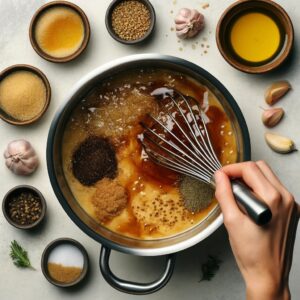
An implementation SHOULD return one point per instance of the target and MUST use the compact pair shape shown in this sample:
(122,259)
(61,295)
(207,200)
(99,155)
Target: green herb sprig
(19,256)
(210,268)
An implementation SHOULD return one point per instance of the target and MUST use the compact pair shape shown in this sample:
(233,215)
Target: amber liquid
(59,31)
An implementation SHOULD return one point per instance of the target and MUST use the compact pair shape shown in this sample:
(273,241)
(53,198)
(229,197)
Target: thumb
(225,197)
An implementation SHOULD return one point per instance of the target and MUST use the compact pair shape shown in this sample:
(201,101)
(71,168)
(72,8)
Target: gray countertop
(247,89)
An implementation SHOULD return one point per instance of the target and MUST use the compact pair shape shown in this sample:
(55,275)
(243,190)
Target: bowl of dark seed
(130,21)
(24,207)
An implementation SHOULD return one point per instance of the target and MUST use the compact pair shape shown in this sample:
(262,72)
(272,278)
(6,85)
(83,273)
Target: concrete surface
(248,91)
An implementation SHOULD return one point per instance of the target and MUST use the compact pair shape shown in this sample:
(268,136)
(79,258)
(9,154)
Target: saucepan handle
(133,287)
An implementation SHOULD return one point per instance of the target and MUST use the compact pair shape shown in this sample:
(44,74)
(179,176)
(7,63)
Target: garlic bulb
(20,157)
(188,23)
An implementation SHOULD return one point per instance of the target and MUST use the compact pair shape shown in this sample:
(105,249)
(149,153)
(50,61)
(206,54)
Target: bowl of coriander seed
(130,21)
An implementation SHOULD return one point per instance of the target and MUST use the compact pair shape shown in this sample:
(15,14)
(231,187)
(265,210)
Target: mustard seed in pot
(131,20)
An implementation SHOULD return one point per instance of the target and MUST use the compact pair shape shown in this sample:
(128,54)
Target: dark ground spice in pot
(93,160)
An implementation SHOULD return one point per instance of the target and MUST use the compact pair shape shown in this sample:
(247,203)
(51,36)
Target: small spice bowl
(62,245)
(41,24)
(37,205)
(23,67)
(273,11)
(109,25)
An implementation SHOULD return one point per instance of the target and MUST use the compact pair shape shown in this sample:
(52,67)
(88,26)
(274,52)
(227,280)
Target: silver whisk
(178,139)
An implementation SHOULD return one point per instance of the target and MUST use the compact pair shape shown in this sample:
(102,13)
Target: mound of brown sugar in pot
(93,160)
(109,200)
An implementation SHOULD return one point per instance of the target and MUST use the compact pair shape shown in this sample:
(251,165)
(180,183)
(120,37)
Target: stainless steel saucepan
(111,240)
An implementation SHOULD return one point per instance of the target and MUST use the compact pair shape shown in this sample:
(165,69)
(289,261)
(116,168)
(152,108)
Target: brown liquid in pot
(113,110)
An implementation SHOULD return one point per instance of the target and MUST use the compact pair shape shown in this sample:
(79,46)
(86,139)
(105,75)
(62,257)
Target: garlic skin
(21,158)
(276,91)
(272,116)
(188,23)
(279,144)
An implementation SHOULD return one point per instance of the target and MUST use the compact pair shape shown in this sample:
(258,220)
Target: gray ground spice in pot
(196,195)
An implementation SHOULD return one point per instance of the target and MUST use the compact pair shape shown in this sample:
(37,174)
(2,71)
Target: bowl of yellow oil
(255,36)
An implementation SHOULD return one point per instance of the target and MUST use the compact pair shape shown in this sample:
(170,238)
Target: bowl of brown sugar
(130,21)
(24,94)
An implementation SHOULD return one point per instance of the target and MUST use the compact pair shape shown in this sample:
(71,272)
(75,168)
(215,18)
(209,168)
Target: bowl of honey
(59,31)
(255,36)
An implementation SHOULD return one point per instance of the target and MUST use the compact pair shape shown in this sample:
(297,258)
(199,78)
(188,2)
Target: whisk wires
(178,138)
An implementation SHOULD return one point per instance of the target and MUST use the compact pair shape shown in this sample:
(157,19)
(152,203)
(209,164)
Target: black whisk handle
(255,208)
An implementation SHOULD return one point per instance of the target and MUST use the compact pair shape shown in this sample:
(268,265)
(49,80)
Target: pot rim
(184,244)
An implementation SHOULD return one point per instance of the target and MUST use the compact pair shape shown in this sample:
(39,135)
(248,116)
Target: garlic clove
(25,170)
(181,17)
(181,27)
(272,116)
(276,91)
(280,144)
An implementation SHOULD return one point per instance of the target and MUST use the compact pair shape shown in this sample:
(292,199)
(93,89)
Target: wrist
(265,291)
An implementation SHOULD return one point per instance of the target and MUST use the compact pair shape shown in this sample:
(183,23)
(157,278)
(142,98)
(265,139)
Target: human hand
(263,254)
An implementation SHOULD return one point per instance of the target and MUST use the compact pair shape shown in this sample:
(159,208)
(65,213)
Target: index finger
(255,179)
(225,197)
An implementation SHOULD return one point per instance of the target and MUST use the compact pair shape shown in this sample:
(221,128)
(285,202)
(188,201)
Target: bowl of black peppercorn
(24,207)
